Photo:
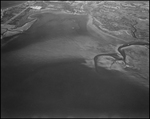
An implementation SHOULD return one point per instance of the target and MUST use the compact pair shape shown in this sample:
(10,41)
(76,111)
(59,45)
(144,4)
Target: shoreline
(99,32)
(17,31)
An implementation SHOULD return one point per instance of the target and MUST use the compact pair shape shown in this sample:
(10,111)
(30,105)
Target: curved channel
(121,51)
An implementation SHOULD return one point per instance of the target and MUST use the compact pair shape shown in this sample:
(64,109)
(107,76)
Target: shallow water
(43,75)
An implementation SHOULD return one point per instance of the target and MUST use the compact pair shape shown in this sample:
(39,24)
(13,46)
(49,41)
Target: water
(43,76)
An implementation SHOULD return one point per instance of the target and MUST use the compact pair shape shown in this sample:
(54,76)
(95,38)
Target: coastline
(16,31)
(96,30)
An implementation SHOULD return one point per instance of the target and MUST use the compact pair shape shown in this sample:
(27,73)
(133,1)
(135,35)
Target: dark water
(5,4)
(37,80)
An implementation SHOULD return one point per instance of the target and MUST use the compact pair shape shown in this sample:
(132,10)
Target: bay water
(43,75)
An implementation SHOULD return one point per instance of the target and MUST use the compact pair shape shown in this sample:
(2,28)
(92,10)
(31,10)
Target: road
(16,15)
